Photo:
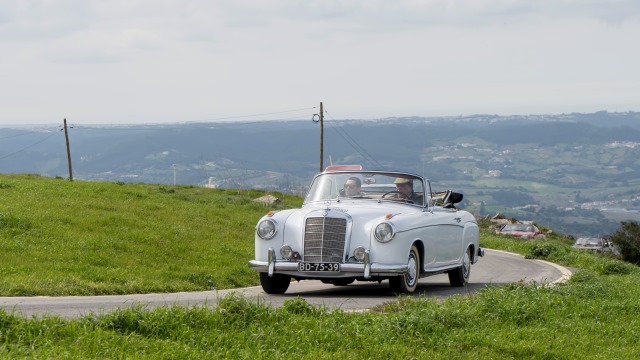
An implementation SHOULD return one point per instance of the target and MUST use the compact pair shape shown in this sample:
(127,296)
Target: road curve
(496,268)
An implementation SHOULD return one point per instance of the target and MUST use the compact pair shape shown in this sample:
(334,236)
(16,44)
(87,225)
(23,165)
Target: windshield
(517,227)
(589,241)
(399,187)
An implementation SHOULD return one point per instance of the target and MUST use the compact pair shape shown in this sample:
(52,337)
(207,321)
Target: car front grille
(324,239)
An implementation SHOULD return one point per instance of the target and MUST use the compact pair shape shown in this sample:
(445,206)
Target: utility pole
(174,174)
(320,118)
(66,136)
(321,138)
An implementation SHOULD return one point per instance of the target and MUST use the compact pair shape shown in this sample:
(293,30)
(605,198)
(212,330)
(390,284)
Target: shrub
(542,250)
(627,238)
(617,267)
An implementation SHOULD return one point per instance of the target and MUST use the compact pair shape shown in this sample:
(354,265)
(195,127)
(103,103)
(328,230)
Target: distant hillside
(509,164)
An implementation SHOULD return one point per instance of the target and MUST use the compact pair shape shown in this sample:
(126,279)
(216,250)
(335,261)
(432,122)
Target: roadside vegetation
(594,315)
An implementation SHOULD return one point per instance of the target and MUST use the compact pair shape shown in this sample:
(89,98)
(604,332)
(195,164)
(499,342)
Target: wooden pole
(66,136)
(321,138)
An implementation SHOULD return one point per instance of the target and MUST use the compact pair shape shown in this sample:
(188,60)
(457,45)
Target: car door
(443,238)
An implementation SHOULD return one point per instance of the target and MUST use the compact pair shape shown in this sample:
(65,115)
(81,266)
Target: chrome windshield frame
(327,186)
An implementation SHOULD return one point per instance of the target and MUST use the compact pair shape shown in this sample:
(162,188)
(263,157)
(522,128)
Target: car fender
(471,236)
(281,218)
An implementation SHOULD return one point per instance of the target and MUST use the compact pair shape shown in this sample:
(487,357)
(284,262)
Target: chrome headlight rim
(267,229)
(384,232)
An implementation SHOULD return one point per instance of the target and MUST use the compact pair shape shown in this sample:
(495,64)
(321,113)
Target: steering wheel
(397,195)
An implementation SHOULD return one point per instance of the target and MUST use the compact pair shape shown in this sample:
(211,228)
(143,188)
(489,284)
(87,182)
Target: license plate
(329,267)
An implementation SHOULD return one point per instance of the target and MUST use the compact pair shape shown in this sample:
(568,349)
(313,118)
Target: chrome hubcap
(413,270)
(466,265)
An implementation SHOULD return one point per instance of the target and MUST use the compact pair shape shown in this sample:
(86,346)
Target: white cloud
(147,61)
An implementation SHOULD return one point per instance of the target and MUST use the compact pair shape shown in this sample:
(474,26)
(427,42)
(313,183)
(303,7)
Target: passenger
(405,186)
(352,187)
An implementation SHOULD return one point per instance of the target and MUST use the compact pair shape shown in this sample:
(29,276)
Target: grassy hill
(59,237)
(94,238)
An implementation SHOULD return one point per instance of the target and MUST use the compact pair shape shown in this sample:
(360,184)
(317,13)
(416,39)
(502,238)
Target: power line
(16,135)
(354,144)
(30,146)
(147,126)
(24,133)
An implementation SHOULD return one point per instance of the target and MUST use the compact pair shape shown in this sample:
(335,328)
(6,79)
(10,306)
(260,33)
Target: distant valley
(575,173)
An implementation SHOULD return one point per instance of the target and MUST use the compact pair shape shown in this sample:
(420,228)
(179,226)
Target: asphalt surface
(494,269)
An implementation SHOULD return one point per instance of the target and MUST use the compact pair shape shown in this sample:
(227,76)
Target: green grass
(95,238)
(595,315)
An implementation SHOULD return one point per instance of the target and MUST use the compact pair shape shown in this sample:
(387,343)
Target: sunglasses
(350,186)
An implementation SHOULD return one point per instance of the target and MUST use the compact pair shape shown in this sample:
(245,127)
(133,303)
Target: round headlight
(267,229)
(384,232)
(358,253)
(286,252)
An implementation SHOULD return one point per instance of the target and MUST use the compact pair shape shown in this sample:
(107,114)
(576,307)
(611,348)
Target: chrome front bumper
(364,269)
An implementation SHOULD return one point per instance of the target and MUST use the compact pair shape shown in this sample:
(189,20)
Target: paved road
(496,268)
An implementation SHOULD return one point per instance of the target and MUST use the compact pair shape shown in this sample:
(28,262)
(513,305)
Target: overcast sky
(149,61)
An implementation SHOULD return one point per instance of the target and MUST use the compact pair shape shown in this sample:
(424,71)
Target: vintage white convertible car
(367,226)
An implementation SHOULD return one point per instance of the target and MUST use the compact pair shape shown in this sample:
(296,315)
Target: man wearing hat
(405,186)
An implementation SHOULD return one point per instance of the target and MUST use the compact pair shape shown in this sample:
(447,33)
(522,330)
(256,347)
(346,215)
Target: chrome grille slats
(324,239)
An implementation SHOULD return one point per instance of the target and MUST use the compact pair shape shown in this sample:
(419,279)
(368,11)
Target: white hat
(403,181)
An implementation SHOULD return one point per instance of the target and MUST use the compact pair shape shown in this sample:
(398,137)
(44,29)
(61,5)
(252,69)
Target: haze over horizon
(123,62)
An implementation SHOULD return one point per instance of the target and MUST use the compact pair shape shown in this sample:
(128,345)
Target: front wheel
(276,284)
(460,276)
(407,283)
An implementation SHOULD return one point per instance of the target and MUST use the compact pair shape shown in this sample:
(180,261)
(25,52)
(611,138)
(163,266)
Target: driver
(405,186)
(353,187)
